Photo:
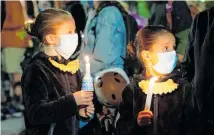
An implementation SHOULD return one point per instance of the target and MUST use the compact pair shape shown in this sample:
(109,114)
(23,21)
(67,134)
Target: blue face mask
(166,62)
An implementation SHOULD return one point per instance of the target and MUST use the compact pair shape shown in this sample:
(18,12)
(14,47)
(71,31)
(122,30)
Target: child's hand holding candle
(144,117)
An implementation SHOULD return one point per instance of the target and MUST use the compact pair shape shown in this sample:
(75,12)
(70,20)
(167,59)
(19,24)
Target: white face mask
(166,62)
(68,45)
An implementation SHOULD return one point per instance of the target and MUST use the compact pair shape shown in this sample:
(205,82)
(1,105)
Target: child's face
(67,27)
(162,43)
(62,28)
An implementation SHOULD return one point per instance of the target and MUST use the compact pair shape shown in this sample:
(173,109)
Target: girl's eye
(72,32)
(166,48)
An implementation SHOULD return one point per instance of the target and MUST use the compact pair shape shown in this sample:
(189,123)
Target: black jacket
(48,97)
(199,29)
(173,113)
(198,62)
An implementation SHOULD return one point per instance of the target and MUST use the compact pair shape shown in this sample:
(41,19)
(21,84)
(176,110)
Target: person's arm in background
(106,51)
(188,60)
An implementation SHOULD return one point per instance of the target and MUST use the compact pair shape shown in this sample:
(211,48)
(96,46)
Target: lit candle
(87,66)
(87,83)
(149,93)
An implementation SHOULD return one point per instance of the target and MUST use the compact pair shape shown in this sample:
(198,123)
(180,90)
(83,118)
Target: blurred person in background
(198,62)
(175,15)
(14,41)
(194,8)
(194,11)
(106,37)
(3,96)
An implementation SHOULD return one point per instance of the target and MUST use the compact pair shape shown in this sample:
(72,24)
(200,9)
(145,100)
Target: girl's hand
(144,118)
(88,111)
(83,97)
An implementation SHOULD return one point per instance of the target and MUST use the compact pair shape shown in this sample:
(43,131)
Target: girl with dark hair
(51,81)
(173,107)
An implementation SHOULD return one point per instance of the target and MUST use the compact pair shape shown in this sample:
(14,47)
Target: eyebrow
(72,29)
(165,43)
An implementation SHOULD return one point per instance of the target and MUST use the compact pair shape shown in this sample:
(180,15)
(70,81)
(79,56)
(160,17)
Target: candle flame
(87,59)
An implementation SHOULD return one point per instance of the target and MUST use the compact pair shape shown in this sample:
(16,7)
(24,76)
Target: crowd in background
(17,47)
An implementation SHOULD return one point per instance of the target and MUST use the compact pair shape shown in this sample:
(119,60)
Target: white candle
(87,66)
(149,93)
(87,83)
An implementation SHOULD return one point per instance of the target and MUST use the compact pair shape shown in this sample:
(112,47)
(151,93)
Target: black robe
(174,113)
(199,64)
(48,98)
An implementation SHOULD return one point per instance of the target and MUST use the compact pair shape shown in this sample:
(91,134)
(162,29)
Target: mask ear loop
(148,58)
(43,47)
